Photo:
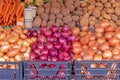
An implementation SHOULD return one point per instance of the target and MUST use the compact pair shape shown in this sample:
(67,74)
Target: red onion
(71,37)
(49,59)
(51,39)
(54,28)
(40,46)
(48,32)
(66,33)
(43,65)
(32,66)
(53,53)
(32,56)
(61,57)
(65,28)
(67,58)
(54,59)
(51,65)
(65,54)
(43,29)
(34,33)
(62,40)
(44,51)
(34,45)
(61,74)
(41,38)
(71,53)
(67,47)
(62,66)
(28,34)
(57,34)
(49,45)
(58,46)
(36,50)
(43,57)
(33,74)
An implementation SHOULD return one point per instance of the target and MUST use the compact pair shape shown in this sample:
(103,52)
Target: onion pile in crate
(101,43)
(14,44)
(53,44)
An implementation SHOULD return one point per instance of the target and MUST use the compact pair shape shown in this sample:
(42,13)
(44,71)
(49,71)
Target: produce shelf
(97,70)
(11,71)
(47,70)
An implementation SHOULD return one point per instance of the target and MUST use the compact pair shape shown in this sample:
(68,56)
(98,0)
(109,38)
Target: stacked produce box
(60,40)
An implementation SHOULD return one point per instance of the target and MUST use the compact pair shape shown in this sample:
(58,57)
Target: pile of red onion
(53,44)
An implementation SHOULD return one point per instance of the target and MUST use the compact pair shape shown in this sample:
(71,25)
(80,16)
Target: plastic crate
(14,73)
(106,70)
(47,70)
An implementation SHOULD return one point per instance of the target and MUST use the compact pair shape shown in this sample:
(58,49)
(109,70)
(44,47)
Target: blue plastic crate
(47,70)
(106,70)
(14,73)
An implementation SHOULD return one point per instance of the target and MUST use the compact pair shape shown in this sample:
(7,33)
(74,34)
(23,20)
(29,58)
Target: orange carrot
(18,1)
(20,12)
(4,6)
(7,9)
(8,14)
(18,9)
(0,7)
(13,8)
(6,1)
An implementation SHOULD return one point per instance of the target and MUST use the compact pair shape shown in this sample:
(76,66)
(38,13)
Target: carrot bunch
(10,12)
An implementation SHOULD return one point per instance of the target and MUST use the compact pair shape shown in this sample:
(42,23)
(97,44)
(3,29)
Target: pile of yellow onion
(14,44)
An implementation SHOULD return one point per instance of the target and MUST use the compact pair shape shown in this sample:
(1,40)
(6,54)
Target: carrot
(7,9)
(20,13)
(6,1)
(13,8)
(18,9)
(8,14)
(12,1)
(1,8)
(18,1)
(4,6)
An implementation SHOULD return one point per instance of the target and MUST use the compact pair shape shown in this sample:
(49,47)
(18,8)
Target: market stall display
(59,34)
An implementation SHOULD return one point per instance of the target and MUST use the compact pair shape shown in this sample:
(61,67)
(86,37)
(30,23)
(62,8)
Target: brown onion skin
(88,57)
(90,51)
(113,41)
(101,40)
(12,52)
(84,40)
(104,23)
(98,57)
(115,51)
(117,34)
(104,46)
(109,28)
(75,31)
(107,54)
(77,50)
(116,57)
(109,35)
(76,44)
(99,29)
